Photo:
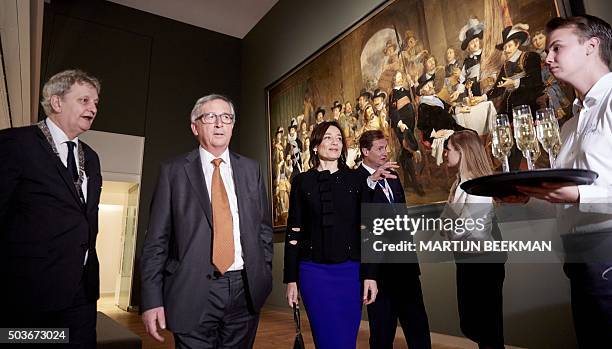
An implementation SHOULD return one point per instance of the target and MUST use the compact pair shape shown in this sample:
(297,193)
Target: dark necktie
(70,163)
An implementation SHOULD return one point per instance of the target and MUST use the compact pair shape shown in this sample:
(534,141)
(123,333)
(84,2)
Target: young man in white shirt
(579,53)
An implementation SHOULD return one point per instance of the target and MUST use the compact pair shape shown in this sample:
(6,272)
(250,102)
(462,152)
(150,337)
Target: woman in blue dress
(322,247)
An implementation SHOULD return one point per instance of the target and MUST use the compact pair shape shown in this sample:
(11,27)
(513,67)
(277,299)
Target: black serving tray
(503,184)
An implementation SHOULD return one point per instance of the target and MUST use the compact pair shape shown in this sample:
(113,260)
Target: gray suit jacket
(176,263)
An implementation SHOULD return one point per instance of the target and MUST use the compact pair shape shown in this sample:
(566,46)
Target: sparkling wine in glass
(534,152)
(524,132)
(547,131)
(502,143)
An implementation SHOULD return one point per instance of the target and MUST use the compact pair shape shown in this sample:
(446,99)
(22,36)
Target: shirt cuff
(595,198)
(371,183)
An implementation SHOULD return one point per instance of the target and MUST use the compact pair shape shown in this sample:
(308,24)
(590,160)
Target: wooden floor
(276,330)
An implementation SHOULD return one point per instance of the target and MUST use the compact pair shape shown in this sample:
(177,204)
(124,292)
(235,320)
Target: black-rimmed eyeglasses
(211,118)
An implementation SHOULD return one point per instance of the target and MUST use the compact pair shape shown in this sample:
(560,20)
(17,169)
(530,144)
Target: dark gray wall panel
(183,63)
(119,58)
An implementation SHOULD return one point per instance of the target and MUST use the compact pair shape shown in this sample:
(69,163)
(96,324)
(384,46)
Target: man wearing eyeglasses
(207,260)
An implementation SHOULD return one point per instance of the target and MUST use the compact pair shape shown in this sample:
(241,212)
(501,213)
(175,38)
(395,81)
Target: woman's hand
(370,290)
(292,293)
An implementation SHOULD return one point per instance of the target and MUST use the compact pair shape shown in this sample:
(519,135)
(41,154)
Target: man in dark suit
(402,116)
(434,113)
(50,186)
(399,292)
(207,259)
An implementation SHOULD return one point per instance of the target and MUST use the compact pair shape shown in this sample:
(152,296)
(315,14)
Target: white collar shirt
(585,144)
(386,188)
(228,181)
(465,206)
(476,54)
(60,139)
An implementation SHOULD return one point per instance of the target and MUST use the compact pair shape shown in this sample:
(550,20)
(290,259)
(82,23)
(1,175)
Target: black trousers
(591,293)
(400,298)
(229,321)
(79,318)
(480,302)
(591,286)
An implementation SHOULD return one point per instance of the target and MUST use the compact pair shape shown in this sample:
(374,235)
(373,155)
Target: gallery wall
(536,304)
(152,71)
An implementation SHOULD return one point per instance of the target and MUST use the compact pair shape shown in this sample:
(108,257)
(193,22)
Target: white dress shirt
(383,183)
(228,182)
(466,206)
(586,142)
(60,139)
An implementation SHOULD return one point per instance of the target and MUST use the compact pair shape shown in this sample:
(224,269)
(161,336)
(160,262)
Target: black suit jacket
(176,262)
(377,196)
(44,229)
(389,273)
(432,117)
(530,88)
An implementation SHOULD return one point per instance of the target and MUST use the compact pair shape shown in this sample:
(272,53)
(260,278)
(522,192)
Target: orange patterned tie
(223,236)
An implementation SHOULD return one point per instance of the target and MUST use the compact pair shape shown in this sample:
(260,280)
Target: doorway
(117,239)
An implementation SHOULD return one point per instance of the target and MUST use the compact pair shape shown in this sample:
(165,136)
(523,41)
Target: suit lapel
(195,174)
(395,186)
(240,185)
(93,180)
(63,171)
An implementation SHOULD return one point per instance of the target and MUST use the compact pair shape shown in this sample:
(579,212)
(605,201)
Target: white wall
(109,245)
(120,155)
(113,202)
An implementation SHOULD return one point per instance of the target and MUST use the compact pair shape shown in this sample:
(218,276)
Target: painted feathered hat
(518,32)
(473,29)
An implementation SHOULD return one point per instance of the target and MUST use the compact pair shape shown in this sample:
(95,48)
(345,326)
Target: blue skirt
(332,297)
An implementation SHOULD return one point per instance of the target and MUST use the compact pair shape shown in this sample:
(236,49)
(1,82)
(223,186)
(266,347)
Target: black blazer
(176,263)
(327,210)
(435,118)
(530,88)
(44,229)
(377,196)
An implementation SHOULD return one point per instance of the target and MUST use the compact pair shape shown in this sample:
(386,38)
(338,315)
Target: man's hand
(401,126)
(151,318)
(292,293)
(384,171)
(553,192)
(506,83)
(370,290)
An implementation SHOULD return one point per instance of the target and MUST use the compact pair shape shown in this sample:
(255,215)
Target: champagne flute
(547,131)
(501,144)
(524,132)
(534,152)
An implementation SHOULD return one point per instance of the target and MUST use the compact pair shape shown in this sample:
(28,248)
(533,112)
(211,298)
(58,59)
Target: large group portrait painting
(418,70)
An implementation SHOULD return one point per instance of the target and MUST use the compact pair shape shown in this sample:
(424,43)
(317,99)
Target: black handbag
(299,340)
